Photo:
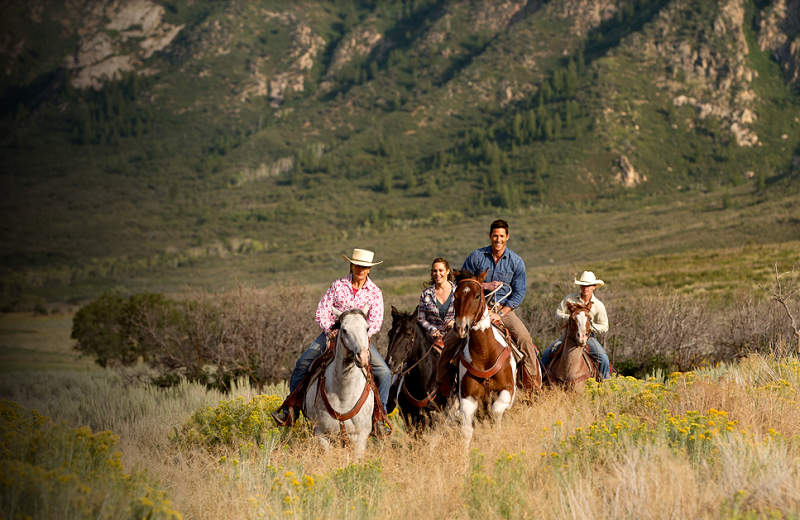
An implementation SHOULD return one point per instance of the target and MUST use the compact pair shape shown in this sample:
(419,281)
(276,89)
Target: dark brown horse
(413,358)
(487,370)
(571,365)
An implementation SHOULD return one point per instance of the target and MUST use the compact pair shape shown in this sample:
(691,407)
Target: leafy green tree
(98,328)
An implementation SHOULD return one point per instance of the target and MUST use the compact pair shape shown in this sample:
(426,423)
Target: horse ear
(395,312)
(416,312)
(365,309)
(455,273)
(481,277)
(570,307)
(336,312)
(589,305)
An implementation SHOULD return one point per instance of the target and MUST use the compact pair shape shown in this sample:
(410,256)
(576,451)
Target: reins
(485,375)
(482,308)
(560,352)
(368,385)
(425,402)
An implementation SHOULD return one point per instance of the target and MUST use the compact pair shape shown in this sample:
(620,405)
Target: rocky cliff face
(699,58)
(105,29)
(779,32)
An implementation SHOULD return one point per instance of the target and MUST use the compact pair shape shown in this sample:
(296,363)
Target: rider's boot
(285,416)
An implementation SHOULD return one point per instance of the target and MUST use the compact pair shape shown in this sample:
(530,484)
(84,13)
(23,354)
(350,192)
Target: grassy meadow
(716,443)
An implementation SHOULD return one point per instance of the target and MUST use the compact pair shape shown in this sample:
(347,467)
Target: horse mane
(338,323)
(401,316)
(464,274)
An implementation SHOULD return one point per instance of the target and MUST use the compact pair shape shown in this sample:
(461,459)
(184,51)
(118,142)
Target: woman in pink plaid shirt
(353,291)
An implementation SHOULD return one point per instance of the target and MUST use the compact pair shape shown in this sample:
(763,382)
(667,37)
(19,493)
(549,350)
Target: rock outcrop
(628,176)
(357,44)
(104,29)
(587,14)
(302,53)
(709,71)
(779,32)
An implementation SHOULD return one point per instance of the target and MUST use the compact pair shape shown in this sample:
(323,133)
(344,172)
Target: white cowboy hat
(363,258)
(588,278)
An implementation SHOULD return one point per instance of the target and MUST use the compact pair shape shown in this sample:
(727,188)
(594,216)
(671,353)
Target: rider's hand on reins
(495,317)
(491,286)
(332,333)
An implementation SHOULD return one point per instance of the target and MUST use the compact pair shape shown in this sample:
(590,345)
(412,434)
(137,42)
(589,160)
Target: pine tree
(517,128)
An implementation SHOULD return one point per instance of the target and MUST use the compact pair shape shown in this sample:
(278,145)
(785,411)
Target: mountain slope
(139,134)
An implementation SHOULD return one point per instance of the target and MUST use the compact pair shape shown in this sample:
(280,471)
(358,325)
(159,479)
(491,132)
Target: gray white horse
(345,385)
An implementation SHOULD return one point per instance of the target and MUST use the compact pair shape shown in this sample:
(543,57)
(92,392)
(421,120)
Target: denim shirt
(509,269)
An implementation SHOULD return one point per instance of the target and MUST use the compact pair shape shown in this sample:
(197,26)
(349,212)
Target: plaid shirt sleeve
(427,310)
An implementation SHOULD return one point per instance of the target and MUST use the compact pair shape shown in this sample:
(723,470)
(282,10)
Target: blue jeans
(595,350)
(382,374)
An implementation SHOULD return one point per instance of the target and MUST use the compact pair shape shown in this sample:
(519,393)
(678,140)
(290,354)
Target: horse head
(470,305)
(579,326)
(402,337)
(353,335)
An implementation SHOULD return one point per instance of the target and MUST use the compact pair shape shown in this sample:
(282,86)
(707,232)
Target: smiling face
(439,273)
(498,237)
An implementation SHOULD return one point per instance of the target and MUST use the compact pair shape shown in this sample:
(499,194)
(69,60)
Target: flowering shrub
(500,495)
(54,471)
(350,492)
(637,396)
(231,421)
(695,434)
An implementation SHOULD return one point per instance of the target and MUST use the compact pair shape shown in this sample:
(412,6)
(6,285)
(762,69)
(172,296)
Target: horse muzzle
(462,328)
(362,358)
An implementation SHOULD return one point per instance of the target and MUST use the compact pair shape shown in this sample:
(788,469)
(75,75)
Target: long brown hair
(450,277)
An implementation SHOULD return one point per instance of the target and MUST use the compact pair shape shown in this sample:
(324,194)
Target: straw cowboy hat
(363,258)
(588,278)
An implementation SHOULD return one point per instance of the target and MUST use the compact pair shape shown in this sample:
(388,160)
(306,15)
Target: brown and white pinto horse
(571,364)
(487,367)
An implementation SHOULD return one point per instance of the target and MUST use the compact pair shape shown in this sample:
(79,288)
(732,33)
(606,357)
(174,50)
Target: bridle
(482,308)
(402,373)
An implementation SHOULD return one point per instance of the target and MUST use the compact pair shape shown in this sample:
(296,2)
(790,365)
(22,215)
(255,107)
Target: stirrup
(284,416)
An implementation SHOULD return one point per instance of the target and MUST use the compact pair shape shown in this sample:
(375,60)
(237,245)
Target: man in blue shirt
(505,267)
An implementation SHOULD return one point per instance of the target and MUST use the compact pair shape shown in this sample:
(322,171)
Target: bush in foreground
(54,471)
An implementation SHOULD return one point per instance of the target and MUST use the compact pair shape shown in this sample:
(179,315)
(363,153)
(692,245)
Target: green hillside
(147,144)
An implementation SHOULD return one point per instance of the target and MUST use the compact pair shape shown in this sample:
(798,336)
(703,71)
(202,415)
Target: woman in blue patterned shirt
(436,311)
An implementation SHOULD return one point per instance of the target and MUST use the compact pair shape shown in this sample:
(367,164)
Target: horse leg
(319,433)
(469,405)
(359,443)
(501,404)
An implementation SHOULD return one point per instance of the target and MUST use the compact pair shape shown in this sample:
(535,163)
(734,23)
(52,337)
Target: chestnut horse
(487,367)
(571,365)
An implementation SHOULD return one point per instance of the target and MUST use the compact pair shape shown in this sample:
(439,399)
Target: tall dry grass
(510,473)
